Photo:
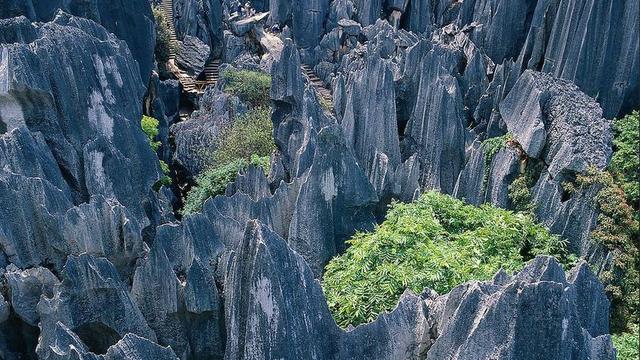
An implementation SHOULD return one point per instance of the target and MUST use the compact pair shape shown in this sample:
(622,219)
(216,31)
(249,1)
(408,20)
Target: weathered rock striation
(130,20)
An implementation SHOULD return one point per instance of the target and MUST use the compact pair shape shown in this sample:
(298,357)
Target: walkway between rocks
(189,83)
(321,88)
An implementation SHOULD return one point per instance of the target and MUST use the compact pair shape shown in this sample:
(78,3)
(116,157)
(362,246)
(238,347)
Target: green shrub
(150,127)
(625,162)
(627,344)
(214,181)
(163,36)
(436,242)
(251,134)
(491,147)
(617,230)
(251,87)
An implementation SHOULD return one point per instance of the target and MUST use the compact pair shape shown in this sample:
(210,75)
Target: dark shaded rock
(339,10)
(419,16)
(201,19)
(368,12)
(183,316)
(308,23)
(192,55)
(93,302)
(162,102)
(130,20)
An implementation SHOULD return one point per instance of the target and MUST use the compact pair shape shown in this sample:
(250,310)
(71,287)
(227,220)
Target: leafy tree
(437,242)
(250,86)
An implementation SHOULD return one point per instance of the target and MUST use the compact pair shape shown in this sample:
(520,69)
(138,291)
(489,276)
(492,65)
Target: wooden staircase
(189,84)
(320,87)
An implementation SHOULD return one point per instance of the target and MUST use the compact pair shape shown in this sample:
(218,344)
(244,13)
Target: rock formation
(94,263)
(129,20)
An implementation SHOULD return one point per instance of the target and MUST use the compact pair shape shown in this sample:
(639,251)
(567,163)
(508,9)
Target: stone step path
(319,86)
(189,84)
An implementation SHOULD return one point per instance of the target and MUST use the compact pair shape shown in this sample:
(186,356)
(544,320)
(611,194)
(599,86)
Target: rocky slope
(94,264)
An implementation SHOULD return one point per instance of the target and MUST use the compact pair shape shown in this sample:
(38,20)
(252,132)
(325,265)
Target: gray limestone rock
(201,19)
(94,303)
(610,71)
(552,120)
(192,55)
(130,20)
(538,299)
(26,287)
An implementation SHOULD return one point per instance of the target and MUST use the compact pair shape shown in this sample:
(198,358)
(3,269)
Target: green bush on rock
(214,181)
(437,242)
(251,87)
(150,128)
(625,163)
(247,141)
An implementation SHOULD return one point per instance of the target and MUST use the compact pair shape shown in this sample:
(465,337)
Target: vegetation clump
(150,128)
(491,147)
(627,344)
(437,242)
(247,142)
(625,163)
(250,134)
(214,181)
(251,87)
(163,36)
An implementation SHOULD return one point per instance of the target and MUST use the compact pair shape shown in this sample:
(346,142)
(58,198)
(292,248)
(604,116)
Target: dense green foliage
(436,242)
(214,181)
(163,36)
(250,134)
(150,128)
(627,344)
(251,87)
(625,163)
